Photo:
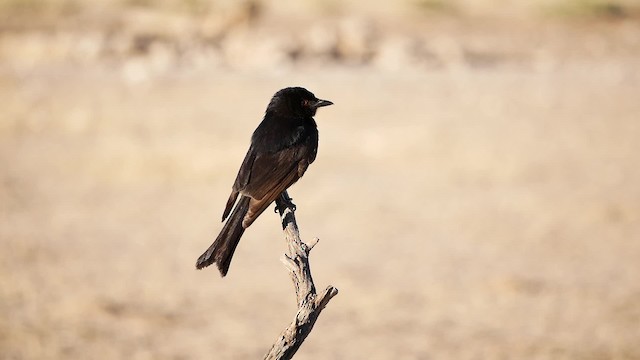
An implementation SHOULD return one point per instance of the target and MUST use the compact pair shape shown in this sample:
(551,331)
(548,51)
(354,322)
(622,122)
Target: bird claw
(288,202)
(284,201)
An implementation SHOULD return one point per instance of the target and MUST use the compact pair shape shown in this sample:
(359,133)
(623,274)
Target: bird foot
(284,201)
(288,202)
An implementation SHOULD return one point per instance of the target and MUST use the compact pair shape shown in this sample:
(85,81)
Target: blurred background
(476,191)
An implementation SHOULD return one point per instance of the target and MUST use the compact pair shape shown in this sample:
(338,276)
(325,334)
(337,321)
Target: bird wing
(271,174)
(242,179)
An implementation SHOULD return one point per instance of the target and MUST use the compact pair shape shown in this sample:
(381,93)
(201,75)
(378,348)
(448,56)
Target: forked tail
(221,251)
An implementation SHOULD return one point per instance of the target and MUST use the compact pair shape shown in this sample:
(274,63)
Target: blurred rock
(395,53)
(355,40)
(257,50)
(153,40)
(449,51)
(135,70)
(216,24)
(88,47)
(157,24)
(319,41)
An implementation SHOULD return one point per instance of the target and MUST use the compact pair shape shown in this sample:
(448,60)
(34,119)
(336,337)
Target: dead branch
(309,303)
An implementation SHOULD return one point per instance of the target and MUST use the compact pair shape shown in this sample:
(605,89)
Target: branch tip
(312,244)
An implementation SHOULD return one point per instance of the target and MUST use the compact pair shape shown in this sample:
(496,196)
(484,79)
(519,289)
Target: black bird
(282,147)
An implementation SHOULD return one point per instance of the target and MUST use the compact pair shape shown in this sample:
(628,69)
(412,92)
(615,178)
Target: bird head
(296,101)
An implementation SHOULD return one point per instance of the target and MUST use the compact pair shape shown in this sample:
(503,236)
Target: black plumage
(282,147)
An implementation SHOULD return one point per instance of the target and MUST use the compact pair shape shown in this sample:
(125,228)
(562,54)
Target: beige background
(476,191)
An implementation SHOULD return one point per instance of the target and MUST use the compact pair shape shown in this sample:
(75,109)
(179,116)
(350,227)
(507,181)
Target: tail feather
(222,249)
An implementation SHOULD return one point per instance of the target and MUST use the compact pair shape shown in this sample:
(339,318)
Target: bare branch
(309,303)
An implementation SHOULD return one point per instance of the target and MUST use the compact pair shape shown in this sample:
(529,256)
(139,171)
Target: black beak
(321,103)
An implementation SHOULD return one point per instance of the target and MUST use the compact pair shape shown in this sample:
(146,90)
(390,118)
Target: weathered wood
(310,304)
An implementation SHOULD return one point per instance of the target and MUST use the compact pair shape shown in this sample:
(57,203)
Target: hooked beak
(321,103)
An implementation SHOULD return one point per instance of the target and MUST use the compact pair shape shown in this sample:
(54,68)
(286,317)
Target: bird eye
(305,102)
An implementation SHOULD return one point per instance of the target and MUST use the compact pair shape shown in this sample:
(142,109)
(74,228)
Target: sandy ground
(464,213)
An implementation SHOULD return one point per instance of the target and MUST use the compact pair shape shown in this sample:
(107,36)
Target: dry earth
(464,211)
